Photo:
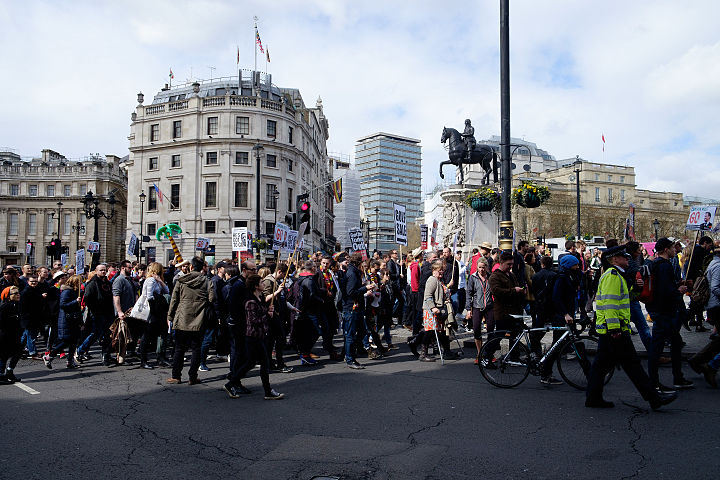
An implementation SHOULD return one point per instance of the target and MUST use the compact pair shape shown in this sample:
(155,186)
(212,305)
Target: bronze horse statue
(481,154)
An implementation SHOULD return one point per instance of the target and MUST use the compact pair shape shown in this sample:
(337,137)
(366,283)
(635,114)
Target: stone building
(200,144)
(30,191)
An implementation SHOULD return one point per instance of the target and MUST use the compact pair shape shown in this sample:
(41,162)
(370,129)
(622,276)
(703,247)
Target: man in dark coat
(33,313)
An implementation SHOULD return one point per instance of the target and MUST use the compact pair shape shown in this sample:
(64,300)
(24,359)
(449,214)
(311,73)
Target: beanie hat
(568,261)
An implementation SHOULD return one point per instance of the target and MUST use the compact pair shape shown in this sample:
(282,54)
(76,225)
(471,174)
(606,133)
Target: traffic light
(54,249)
(303,212)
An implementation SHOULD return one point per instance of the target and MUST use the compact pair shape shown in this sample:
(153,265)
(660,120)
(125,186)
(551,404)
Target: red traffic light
(52,243)
(304,207)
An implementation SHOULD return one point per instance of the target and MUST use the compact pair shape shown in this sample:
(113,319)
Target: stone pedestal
(472,227)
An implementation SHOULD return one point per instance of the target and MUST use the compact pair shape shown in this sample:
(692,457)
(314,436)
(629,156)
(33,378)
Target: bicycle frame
(525,336)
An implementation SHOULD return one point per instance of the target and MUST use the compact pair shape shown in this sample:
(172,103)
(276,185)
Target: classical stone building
(200,144)
(29,194)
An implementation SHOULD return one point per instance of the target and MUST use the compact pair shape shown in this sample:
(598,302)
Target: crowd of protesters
(254,314)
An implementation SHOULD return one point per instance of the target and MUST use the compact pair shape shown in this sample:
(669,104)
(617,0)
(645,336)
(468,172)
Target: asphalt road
(396,419)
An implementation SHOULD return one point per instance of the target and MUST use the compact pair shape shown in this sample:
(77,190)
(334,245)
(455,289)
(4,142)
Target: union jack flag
(258,41)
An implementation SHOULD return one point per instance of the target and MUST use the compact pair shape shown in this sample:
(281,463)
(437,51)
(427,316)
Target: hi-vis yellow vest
(613,303)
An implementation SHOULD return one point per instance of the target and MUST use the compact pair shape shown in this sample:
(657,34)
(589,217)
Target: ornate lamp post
(377,227)
(506,224)
(258,148)
(92,210)
(656,224)
(142,210)
(78,229)
(578,168)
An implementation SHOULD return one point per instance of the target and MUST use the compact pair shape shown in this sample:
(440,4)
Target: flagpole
(266,62)
(255,42)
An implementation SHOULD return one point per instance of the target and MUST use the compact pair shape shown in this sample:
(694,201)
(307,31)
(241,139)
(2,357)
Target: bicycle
(515,361)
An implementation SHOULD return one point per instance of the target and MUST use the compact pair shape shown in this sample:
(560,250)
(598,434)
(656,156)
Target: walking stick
(437,338)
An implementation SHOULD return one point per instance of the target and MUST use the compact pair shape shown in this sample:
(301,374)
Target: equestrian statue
(463,149)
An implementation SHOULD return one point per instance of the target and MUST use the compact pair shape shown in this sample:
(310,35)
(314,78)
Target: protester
(69,323)
(124,297)
(353,294)
(33,309)
(509,298)
(156,292)
(10,333)
(706,361)
(479,303)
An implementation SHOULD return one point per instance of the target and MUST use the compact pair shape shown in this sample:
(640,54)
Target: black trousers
(183,341)
(256,353)
(612,351)
(237,347)
(276,339)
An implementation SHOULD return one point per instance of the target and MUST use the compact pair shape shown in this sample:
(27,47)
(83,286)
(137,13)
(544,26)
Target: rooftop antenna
(211,72)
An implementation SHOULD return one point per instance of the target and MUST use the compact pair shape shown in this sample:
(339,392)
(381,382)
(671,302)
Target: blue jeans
(715,362)
(666,326)
(637,317)
(455,300)
(206,343)
(353,328)
(28,338)
(98,324)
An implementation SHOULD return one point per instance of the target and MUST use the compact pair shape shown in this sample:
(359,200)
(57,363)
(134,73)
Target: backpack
(646,296)
(701,291)
(544,298)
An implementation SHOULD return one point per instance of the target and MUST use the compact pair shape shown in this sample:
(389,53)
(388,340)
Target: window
(597,194)
(210,226)
(211,158)
(240,223)
(155,132)
(32,224)
(242,125)
(622,178)
(597,177)
(51,190)
(83,189)
(271,161)
(152,199)
(270,196)
(175,161)
(33,190)
(49,224)
(241,194)
(610,195)
(269,229)
(212,128)
(153,163)
(151,229)
(210,194)
(609,178)
(242,158)
(622,195)
(15,190)
(83,224)
(271,128)
(13,228)
(66,224)
(177,129)
(66,190)
(150,254)
(290,136)
(175,195)
(290,200)
(290,165)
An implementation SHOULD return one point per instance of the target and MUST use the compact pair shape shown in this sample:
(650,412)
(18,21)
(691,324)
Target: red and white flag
(171,74)
(603,139)
(258,41)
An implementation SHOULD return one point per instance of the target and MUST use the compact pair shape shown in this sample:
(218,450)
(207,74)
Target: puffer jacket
(713,278)
(69,318)
(191,301)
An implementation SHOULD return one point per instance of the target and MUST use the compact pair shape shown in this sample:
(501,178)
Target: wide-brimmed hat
(416,252)
(486,245)
(59,274)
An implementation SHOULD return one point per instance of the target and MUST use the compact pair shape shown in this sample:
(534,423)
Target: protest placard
(132,244)
(400,224)
(202,243)
(356,239)
(80,261)
(424,236)
(702,217)
(240,239)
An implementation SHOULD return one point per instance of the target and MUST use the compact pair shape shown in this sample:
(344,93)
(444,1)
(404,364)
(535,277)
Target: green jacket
(613,303)
(191,302)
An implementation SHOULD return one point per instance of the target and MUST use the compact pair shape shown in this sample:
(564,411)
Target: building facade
(200,144)
(390,171)
(347,212)
(30,191)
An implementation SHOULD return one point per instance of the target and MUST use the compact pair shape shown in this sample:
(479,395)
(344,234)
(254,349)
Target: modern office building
(347,212)
(41,199)
(390,171)
(201,144)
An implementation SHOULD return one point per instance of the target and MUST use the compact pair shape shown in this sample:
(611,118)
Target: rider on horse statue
(469,139)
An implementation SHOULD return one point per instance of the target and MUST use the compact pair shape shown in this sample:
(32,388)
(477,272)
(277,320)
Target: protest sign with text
(400,224)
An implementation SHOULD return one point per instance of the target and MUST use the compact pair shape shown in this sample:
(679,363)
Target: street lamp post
(506,224)
(578,168)
(142,210)
(77,228)
(92,210)
(377,227)
(59,204)
(656,224)
(257,149)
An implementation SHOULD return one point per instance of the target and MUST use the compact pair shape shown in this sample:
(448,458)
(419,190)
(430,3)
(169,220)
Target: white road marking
(27,389)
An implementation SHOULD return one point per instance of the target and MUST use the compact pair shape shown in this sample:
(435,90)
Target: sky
(646,74)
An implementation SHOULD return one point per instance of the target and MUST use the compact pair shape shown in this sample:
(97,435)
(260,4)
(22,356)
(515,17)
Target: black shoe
(146,366)
(355,366)
(683,383)
(550,380)
(686,325)
(243,390)
(163,363)
(412,343)
(4,380)
(231,390)
(11,376)
(665,389)
(599,403)
(273,395)
(662,399)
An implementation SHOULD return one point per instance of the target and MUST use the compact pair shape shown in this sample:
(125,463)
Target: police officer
(614,343)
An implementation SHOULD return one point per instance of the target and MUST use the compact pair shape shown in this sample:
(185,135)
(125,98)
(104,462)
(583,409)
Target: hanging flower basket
(484,200)
(530,195)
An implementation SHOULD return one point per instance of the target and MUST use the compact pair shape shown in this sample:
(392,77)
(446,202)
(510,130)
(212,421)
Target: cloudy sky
(644,73)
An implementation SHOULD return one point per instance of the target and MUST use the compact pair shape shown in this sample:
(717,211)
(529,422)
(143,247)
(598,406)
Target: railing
(271,105)
(174,107)
(243,101)
(214,102)
(155,109)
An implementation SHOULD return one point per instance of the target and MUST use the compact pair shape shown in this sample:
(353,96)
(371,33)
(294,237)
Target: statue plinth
(472,227)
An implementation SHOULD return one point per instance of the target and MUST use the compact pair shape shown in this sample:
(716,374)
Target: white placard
(132,244)
(400,224)
(356,239)
(63,259)
(80,261)
(93,247)
(202,243)
(240,239)
(702,217)
(280,237)
(292,237)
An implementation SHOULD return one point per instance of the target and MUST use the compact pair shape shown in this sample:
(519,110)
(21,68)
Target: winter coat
(476,290)
(33,308)
(506,300)
(564,295)
(10,329)
(257,318)
(191,302)
(70,317)
(434,294)
(713,278)
(98,297)
(353,290)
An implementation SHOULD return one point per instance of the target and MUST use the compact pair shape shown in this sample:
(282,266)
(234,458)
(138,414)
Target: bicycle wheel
(503,367)
(575,359)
